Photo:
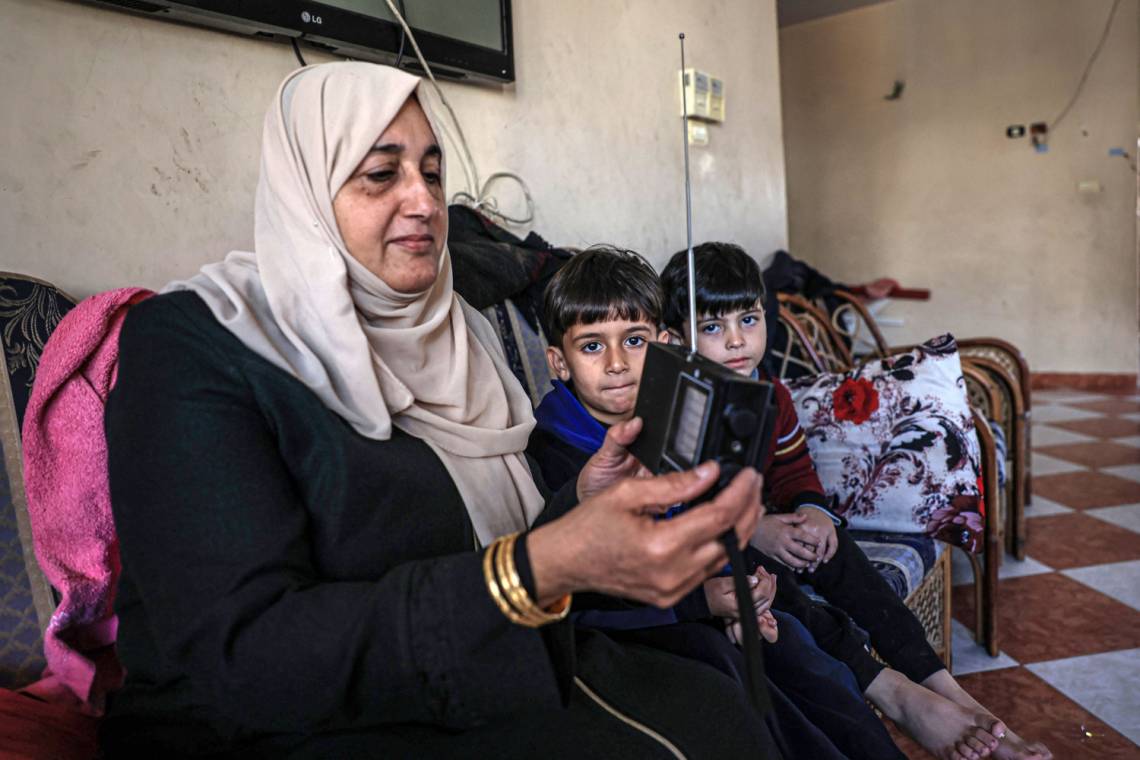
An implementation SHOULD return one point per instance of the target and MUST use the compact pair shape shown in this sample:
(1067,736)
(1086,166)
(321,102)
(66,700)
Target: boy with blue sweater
(601,311)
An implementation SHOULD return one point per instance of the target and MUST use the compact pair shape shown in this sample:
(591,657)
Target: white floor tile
(1120,580)
(971,657)
(1043,464)
(1042,507)
(1058,413)
(1103,684)
(1132,440)
(962,574)
(1047,435)
(1057,396)
(1129,471)
(1084,398)
(1126,516)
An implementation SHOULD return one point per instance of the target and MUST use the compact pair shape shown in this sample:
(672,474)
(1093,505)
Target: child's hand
(766,621)
(822,529)
(785,538)
(721,596)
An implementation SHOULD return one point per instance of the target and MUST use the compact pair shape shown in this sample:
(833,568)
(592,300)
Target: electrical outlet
(698,134)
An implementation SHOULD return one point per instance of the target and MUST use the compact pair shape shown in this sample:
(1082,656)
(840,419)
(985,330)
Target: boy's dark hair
(600,283)
(728,279)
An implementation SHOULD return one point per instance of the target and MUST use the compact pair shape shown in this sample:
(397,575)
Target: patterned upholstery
(524,346)
(29,311)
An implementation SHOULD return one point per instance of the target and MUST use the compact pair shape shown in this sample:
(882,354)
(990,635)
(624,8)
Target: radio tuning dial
(742,422)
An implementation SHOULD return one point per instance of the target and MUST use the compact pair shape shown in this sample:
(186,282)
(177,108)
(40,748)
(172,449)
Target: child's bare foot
(1012,746)
(947,730)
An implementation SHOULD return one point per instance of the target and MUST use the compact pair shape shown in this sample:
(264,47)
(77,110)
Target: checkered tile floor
(1069,614)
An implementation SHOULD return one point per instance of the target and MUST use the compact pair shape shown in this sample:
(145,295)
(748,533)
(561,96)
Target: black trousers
(855,592)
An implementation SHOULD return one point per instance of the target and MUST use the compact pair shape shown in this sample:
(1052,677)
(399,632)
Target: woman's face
(391,211)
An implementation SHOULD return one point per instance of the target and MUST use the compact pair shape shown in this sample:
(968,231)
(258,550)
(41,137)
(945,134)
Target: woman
(306,444)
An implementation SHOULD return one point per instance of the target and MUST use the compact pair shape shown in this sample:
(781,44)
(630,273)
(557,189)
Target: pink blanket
(69,501)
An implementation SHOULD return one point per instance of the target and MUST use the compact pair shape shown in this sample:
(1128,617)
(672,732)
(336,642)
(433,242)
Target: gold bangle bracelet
(517,593)
(511,586)
(508,592)
(495,591)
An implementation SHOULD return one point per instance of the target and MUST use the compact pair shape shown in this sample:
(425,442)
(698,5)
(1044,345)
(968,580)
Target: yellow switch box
(716,99)
(696,89)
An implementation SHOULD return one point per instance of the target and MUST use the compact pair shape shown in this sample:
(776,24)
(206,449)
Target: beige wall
(130,145)
(929,190)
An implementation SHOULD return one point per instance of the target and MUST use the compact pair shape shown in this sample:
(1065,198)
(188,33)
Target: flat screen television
(461,39)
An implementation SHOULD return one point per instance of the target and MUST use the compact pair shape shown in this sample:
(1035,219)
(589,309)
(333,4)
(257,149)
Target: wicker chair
(1008,369)
(1010,373)
(985,400)
(930,601)
(29,311)
(811,343)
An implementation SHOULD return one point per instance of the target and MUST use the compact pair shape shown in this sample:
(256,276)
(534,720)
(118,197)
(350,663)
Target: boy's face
(736,339)
(604,360)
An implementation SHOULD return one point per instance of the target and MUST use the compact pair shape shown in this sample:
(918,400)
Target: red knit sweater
(789,476)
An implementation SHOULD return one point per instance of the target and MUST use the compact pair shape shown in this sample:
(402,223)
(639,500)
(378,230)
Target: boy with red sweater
(802,541)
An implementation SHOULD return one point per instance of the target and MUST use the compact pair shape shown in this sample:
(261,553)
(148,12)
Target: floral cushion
(894,444)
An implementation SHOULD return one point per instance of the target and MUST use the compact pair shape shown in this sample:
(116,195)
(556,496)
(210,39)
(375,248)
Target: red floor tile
(1100,454)
(1050,616)
(1108,406)
(1088,489)
(1076,540)
(1036,712)
(1101,427)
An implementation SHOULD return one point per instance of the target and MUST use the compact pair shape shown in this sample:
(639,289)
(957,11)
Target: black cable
(1084,77)
(403,35)
(297,51)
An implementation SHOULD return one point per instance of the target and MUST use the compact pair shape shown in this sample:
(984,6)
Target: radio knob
(742,422)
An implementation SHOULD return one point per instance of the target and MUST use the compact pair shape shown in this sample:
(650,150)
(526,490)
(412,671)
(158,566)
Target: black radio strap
(750,631)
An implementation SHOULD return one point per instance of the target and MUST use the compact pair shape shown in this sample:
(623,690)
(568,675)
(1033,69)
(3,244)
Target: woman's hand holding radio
(612,543)
(612,462)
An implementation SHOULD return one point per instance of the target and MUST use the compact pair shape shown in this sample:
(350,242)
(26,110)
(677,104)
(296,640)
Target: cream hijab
(425,362)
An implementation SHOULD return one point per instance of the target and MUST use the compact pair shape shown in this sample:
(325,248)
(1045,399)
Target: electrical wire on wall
(403,37)
(297,52)
(476,195)
(1088,67)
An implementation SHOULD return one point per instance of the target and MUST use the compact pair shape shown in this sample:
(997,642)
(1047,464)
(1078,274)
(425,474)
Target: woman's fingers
(736,507)
(666,490)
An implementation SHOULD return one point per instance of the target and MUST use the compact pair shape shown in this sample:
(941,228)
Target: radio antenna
(688,205)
